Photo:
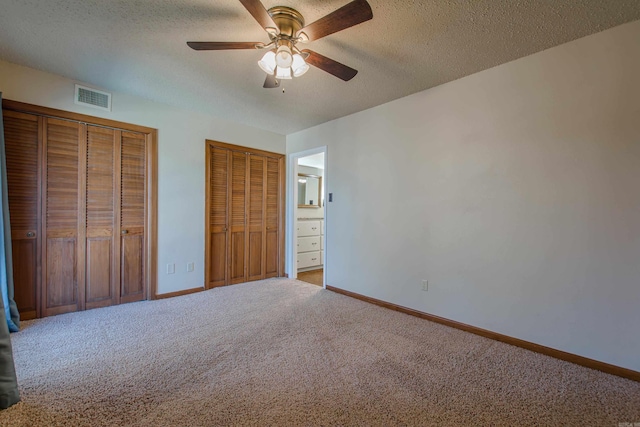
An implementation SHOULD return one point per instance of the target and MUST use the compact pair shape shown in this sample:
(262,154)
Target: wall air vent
(92,98)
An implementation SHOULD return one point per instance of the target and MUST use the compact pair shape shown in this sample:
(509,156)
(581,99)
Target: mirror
(309,191)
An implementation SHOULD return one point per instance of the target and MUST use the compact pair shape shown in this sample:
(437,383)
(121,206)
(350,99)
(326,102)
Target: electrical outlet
(190,266)
(171,268)
(425,285)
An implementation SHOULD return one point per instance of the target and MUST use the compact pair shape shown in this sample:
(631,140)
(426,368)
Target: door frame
(151,181)
(292,205)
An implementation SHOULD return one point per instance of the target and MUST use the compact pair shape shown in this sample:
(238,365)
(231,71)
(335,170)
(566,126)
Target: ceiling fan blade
(258,11)
(270,82)
(354,13)
(222,45)
(339,70)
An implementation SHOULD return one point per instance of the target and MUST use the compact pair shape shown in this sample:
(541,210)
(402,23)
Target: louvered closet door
(132,217)
(100,241)
(256,239)
(237,216)
(63,248)
(272,215)
(245,209)
(22,135)
(218,216)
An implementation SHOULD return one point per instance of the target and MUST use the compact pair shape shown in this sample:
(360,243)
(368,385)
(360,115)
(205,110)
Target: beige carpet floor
(283,352)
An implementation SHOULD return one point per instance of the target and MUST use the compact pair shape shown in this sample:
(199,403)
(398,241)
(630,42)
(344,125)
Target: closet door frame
(151,146)
(209,144)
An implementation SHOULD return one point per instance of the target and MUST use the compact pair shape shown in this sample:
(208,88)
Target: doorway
(307,216)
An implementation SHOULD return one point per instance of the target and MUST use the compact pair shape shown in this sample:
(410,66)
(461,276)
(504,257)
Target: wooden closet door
(63,223)
(237,218)
(256,216)
(100,242)
(218,215)
(22,136)
(272,218)
(244,214)
(132,217)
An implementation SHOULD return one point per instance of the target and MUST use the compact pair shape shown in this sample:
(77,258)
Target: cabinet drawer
(307,244)
(308,228)
(308,259)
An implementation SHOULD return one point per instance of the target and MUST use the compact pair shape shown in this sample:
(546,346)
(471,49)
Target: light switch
(190,267)
(171,268)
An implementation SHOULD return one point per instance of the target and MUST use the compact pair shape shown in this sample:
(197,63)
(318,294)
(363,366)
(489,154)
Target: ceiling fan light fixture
(283,73)
(284,57)
(298,66)
(286,27)
(272,31)
(268,62)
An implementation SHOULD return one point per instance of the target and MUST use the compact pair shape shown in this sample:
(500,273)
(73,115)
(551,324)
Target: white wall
(181,160)
(310,212)
(514,191)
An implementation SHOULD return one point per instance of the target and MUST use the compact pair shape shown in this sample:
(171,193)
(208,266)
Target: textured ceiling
(138,47)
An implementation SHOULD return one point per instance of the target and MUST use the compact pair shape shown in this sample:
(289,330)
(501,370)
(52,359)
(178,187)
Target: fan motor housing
(288,20)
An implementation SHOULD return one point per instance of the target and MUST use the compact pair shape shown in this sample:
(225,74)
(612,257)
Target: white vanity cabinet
(310,244)
(308,228)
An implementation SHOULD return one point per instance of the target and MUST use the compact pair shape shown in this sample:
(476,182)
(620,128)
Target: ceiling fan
(286,28)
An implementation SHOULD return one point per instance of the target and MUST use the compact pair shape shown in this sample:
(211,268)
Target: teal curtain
(6,263)
(8,381)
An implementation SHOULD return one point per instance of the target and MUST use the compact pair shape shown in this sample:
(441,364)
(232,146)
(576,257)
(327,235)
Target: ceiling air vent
(92,98)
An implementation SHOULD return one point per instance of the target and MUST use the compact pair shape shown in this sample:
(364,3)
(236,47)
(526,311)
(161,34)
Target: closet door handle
(31,234)
(125,231)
